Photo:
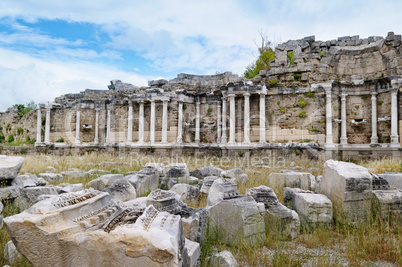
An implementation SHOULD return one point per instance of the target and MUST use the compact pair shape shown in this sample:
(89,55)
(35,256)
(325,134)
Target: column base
(329,145)
(374,140)
(344,140)
(224,140)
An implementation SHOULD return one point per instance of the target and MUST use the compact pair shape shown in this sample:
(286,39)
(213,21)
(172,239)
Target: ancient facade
(341,94)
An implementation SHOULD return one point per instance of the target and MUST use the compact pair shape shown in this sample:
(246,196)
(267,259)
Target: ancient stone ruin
(340,95)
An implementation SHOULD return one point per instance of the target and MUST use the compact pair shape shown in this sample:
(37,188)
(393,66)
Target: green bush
(1,137)
(10,138)
(302,114)
(297,76)
(322,54)
(262,63)
(209,111)
(283,110)
(310,94)
(314,129)
(272,82)
(20,130)
(24,109)
(303,103)
(60,140)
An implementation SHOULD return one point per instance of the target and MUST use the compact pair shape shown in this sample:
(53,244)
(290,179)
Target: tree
(266,54)
(24,109)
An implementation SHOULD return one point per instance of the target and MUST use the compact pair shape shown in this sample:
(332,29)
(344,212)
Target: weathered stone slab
(104,181)
(313,208)
(75,173)
(194,224)
(144,181)
(10,167)
(236,175)
(238,220)
(207,183)
(288,219)
(121,190)
(206,171)
(177,173)
(193,252)
(289,195)
(72,188)
(222,189)
(348,186)
(52,177)
(186,192)
(29,195)
(160,167)
(26,180)
(394,179)
(303,180)
(389,203)
(86,228)
(9,193)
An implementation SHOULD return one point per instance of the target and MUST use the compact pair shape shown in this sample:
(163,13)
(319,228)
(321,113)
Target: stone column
(246,118)
(164,121)
(141,122)
(96,141)
(197,122)
(394,114)
(152,126)
(180,123)
(232,122)
(108,126)
(38,126)
(47,127)
(224,138)
(262,118)
(344,137)
(130,122)
(218,122)
(328,128)
(77,127)
(374,137)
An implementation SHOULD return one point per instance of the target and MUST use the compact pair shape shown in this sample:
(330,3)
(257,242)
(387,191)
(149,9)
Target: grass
(376,240)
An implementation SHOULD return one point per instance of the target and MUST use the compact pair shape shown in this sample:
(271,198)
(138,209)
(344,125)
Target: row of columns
(374,136)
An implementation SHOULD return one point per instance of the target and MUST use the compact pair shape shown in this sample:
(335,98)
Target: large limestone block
(68,188)
(236,175)
(394,179)
(187,192)
(348,186)
(194,224)
(193,252)
(74,173)
(29,195)
(104,181)
(144,181)
(313,208)
(221,189)
(121,190)
(52,177)
(207,183)
(10,166)
(388,202)
(238,220)
(303,180)
(275,212)
(26,180)
(160,167)
(87,228)
(9,193)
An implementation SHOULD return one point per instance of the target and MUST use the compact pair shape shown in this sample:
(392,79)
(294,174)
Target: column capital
(231,95)
(140,101)
(247,94)
(395,84)
(130,103)
(343,96)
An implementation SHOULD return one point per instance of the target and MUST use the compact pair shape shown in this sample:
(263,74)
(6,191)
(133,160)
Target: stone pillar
(130,122)
(96,141)
(108,126)
(262,118)
(77,127)
(197,122)
(344,137)
(328,128)
(232,122)
(164,121)
(394,114)
(374,137)
(246,118)
(141,123)
(224,138)
(180,123)
(152,126)
(38,126)
(218,122)
(47,126)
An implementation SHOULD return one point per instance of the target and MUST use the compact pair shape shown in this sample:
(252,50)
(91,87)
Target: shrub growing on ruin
(1,137)
(272,82)
(24,109)
(10,138)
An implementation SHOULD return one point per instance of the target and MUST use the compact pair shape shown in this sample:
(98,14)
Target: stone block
(160,167)
(74,174)
(221,189)
(238,220)
(313,208)
(194,224)
(275,212)
(236,175)
(72,188)
(177,173)
(224,259)
(8,193)
(121,190)
(348,186)
(104,181)
(187,192)
(144,181)
(10,167)
(393,179)
(193,252)
(388,202)
(206,171)
(29,195)
(303,180)
(207,183)
(51,177)
(26,180)
(11,253)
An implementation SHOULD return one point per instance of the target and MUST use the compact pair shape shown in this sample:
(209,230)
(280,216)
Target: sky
(52,47)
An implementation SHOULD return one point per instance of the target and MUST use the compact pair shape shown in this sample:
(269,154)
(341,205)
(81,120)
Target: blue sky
(52,47)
